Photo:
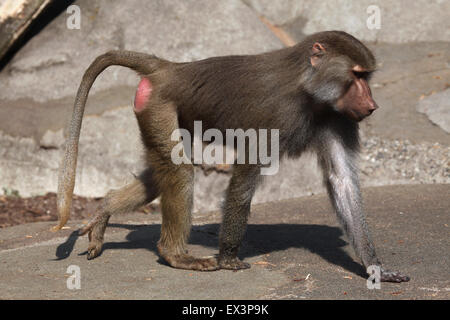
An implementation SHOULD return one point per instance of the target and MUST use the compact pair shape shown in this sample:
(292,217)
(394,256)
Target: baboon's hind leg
(129,198)
(176,203)
(157,123)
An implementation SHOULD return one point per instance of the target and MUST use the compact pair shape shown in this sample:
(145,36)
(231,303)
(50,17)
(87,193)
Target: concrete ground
(295,246)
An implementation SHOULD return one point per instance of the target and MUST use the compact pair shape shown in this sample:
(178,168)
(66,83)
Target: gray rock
(401,21)
(52,139)
(106,161)
(39,85)
(51,64)
(437,109)
(295,178)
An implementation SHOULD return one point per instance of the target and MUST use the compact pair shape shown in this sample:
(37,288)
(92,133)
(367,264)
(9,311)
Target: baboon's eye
(361,74)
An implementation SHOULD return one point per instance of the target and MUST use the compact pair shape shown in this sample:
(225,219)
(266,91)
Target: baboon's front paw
(393,276)
(233,264)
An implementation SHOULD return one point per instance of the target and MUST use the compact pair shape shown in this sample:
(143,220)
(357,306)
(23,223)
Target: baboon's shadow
(260,239)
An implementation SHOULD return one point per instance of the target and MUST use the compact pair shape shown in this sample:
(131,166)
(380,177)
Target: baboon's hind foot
(186,261)
(96,231)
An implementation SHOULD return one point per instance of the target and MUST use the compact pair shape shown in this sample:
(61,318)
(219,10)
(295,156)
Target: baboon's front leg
(236,210)
(341,179)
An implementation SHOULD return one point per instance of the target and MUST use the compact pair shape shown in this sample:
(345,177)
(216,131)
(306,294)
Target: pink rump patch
(143,94)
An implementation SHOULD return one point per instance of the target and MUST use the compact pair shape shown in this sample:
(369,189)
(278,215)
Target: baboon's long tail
(141,63)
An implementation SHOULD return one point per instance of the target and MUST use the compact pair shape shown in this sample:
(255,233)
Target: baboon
(315,93)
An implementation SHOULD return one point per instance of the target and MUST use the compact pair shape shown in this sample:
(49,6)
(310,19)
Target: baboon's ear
(316,53)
